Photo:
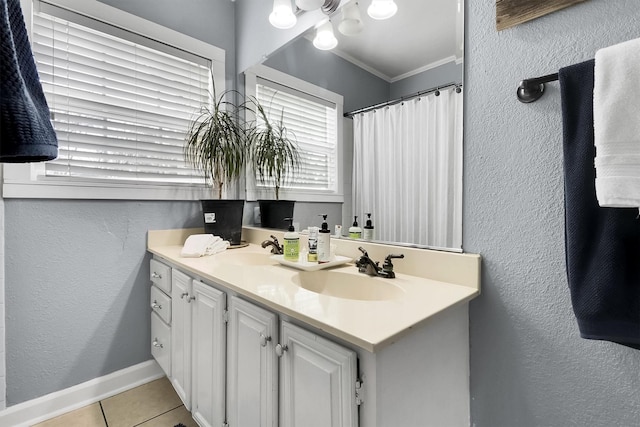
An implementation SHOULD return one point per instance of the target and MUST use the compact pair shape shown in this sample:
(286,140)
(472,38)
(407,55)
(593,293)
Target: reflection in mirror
(403,167)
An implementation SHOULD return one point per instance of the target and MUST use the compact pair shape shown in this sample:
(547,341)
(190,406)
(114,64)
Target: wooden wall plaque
(510,13)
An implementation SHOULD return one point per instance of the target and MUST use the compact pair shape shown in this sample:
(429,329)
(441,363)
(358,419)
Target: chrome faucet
(367,266)
(275,246)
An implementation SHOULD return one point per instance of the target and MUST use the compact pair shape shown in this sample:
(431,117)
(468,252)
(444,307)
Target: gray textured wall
(77,288)
(528,365)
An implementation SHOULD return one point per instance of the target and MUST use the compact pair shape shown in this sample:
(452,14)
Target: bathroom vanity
(248,341)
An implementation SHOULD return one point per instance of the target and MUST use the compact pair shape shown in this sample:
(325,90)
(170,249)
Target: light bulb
(382,9)
(309,4)
(282,15)
(325,40)
(351,23)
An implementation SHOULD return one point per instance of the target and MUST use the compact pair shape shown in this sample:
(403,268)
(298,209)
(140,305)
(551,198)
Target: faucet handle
(393,256)
(361,249)
(275,239)
(387,267)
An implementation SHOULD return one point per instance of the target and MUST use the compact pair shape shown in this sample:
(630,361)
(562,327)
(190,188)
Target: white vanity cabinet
(198,350)
(228,357)
(252,365)
(317,377)
(160,302)
(317,380)
(181,298)
(208,355)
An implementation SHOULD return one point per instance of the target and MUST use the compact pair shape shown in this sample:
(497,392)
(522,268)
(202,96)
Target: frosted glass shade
(351,23)
(282,15)
(382,9)
(309,4)
(325,39)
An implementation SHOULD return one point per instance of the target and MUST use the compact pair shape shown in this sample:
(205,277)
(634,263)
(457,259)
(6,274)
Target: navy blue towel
(26,133)
(602,244)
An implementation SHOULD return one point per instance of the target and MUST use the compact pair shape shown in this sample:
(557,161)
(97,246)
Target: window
(314,116)
(121,103)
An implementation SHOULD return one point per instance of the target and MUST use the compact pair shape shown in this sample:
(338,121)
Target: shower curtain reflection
(408,149)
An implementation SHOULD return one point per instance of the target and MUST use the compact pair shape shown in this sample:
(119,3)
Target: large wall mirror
(417,51)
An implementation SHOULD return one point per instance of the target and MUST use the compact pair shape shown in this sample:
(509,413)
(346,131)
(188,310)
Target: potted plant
(273,152)
(216,145)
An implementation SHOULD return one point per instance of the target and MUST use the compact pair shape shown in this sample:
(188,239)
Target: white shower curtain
(408,170)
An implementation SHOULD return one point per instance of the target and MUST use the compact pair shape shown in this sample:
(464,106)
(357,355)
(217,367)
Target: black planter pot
(273,213)
(223,218)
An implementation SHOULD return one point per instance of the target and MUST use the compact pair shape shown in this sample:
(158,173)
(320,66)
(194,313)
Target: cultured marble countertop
(368,324)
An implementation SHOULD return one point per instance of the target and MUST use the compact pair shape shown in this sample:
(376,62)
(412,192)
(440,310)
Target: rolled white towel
(198,245)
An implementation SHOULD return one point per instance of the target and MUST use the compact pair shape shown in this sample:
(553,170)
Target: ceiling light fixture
(382,9)
(325,39)
(351,23)
(309,4)
(282,15)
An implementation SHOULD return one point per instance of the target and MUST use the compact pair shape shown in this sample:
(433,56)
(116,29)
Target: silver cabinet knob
(156,343)
(186,294)
(155,305)
(264,340)
(156,275)
(280,349)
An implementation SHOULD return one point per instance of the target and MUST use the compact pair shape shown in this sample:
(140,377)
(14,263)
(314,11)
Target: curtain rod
(402,98)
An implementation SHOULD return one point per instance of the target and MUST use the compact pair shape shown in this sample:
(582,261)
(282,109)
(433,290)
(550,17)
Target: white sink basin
(349,286)
(245,258)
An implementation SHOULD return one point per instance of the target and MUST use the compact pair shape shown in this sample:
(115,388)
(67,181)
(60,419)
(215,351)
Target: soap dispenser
(324,242)
(355,232)
(291,244)
(368,229)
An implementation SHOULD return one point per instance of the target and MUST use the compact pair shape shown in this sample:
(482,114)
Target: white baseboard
(69,399)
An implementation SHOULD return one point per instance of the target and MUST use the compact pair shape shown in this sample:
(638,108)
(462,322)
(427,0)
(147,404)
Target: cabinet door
(318,377)
(161,343)
(208,362)
(181,335)
(252,367)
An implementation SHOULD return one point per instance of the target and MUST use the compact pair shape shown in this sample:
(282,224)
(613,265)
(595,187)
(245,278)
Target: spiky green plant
(216,144)
(273,150)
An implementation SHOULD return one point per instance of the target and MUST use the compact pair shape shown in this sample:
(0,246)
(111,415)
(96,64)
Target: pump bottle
(291,244)
(324,242)
(355,232)
(368,229)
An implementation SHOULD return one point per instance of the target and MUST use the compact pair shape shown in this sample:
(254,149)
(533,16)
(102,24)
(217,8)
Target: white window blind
(313,121)
(120,108)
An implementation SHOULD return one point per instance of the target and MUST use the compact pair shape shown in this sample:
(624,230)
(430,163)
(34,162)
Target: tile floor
(154,404)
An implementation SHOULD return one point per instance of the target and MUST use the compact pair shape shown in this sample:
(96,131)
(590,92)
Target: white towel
(198,245)
(616,122)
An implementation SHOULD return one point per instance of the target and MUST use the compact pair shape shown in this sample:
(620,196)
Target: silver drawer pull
(157,344)
(264,340)
(184,294)
(280,349)
(155,275)
(155,305)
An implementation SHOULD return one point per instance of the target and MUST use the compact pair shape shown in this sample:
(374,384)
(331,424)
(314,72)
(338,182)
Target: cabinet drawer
(160,275)
(161,343)
(161,304)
